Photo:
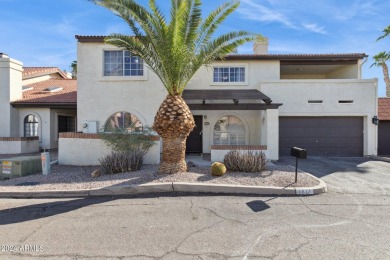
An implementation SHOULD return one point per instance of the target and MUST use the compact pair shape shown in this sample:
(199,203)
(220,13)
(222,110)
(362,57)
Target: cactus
(218,169)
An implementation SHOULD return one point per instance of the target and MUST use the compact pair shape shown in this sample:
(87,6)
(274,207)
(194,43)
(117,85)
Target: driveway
(347,175)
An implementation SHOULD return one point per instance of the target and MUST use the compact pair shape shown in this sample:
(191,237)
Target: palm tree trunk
(173,122)
(386,78)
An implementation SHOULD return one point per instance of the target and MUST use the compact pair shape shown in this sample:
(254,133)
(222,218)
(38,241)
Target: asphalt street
(351,221)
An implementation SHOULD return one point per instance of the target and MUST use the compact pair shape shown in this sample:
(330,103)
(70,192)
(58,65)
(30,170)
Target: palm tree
(380,61)
(174,50)
(386,32)
(73,66)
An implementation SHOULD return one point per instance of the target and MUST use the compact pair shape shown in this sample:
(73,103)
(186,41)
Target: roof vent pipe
(261,45)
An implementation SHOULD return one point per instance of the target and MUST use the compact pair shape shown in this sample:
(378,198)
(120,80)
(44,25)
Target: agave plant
(174,49)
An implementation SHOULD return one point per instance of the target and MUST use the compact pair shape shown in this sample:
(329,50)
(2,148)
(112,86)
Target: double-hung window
(122,63)
(229,74)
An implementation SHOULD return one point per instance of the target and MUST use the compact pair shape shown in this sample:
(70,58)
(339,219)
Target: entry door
(194,140)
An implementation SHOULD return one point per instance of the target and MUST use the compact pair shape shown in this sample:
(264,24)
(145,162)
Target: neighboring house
(258,101)
(36,103)
(384,126)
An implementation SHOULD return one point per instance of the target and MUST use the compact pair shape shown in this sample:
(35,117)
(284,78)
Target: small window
(123,120)
(229,130)
(122,63)
(229,74)
(314,101)
(31,125)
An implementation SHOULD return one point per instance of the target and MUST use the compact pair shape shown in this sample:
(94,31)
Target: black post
(296,169)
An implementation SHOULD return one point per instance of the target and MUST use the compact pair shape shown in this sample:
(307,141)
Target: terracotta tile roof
(35,96)
(31,72)
(384,108)
(326,56)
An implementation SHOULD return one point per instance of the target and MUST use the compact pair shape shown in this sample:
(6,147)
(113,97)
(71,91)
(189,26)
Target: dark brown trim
(318,62)
(285,57)
(90,38)
(45,105)
(240,106)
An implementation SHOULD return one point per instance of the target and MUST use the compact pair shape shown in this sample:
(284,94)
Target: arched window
(229,130)
(123,120)
(31,125)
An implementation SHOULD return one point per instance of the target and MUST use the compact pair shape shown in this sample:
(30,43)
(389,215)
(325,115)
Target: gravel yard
(65,177)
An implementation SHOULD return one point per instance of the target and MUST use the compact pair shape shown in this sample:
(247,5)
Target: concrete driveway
(347,175)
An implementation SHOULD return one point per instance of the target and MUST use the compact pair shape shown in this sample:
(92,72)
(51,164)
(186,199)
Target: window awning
(235,95)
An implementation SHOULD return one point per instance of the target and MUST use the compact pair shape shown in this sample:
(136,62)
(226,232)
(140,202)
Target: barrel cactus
(218,169)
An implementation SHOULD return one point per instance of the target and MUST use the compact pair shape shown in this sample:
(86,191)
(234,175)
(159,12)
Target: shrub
(218,169)
(118,162)
(128,148)
(245,161)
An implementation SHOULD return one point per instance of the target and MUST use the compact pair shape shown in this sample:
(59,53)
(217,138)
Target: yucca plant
(174,49)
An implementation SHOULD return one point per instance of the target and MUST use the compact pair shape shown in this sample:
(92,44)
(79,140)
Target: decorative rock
(96,173)
(190,164)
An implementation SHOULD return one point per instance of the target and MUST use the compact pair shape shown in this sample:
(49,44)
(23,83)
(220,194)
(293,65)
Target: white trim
(230,64)
(120,78)
(24,115)
(229,113)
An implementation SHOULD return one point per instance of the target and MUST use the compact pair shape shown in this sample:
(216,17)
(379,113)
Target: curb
(171,187)
(379,158)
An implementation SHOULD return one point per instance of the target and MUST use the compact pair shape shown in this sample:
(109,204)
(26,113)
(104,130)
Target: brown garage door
(384,138)
(322,136)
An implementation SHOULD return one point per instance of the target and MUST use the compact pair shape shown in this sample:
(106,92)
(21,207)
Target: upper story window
(229,74)
(122,63)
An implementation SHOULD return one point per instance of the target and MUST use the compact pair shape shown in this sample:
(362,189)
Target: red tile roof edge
(384,108)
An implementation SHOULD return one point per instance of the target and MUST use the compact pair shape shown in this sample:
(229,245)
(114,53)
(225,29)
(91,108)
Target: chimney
(10,90)
(261,45)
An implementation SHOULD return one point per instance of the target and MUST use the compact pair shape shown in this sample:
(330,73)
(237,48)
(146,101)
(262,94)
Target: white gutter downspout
(360,67)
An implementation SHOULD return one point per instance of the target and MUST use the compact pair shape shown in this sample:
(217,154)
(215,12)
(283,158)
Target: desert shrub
(128,149)
(218,169)
(118,162)
(245,161)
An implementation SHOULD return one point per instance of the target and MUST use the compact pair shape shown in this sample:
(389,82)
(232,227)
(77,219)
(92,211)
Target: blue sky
(41,32)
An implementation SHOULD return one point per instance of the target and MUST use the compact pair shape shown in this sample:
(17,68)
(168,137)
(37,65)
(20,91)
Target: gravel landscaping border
(73,178)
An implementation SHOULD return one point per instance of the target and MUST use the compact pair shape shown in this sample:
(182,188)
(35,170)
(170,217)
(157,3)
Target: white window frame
(121,78)
(229,65)
(246,133)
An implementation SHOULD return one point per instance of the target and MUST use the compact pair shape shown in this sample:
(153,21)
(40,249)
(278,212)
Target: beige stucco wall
(82,152)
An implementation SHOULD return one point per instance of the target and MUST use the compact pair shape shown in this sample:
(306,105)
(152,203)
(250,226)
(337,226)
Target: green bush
(128,149)
(245,161)
(218,169)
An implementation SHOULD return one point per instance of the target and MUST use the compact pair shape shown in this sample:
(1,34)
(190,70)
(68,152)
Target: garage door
(322,136)
(384,138)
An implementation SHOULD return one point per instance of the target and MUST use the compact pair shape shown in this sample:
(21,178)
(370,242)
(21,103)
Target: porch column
(271,128)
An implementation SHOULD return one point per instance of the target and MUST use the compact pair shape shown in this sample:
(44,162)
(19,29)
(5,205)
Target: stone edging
(170,187)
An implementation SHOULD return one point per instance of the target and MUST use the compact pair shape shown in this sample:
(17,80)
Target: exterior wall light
(375,120)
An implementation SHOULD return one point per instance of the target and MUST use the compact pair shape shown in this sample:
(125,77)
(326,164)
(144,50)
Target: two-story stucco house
(254,101)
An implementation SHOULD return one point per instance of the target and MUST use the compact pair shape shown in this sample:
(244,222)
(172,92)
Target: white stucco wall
(82,152)
(99,97)
(295,94)
(16,147)
(10,90)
